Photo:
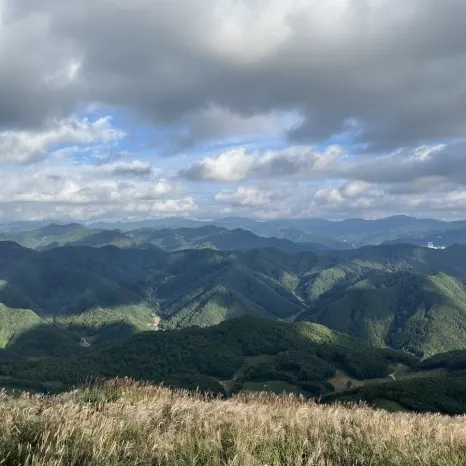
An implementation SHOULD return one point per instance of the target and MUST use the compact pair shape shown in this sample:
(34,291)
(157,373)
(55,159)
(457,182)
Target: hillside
(398,296)
(240,354)
(14,322)
(422,314)
(251,355)
(437,384)
(122,423)
(445,393)
(125,423)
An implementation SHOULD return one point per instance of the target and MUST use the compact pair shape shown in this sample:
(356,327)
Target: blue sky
(203,109)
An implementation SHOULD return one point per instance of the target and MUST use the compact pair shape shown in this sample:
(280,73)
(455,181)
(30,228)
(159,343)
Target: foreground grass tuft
(122,422)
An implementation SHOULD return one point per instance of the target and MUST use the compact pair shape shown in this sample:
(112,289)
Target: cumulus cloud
(133,168)
(389,65)
(301,160)
(237,165)
(423,165)
(329,196)
(64,189)
(230,166)
(22,147)
(366,99)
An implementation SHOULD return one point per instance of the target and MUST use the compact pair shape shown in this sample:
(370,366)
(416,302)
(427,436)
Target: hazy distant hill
(218,238)
(346,233)
(436,239)
(54,235)
(211,236)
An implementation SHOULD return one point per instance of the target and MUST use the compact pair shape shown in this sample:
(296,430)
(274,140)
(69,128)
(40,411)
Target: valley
(355,324)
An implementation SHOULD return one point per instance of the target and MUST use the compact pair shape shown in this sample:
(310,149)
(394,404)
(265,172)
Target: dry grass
(125,423)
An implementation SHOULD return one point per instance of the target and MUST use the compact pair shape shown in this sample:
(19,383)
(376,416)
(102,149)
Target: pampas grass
(122,422)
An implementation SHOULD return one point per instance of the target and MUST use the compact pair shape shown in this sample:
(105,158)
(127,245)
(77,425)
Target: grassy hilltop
(124,423)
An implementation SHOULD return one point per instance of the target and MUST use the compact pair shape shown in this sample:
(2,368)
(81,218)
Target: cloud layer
(264,107)
(394,67)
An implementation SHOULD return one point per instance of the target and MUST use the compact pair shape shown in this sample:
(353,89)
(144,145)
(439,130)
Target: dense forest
(221,358)
(234,320)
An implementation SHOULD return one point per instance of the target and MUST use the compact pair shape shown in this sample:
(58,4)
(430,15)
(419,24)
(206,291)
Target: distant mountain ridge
(209,236)
(349,231)
(342,234)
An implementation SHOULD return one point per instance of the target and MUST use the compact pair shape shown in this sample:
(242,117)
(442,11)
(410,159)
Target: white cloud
(390,65)
(353,188)
(229,166)
(237,165)
(244,197)
(127,169)
(386,76)
(60,188)
(168,206)
(22,147)
(329,196)
(422,166)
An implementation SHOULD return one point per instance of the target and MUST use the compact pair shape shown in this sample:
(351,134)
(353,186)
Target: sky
(117,109)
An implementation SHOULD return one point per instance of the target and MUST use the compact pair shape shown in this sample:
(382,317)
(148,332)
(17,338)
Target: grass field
(125,423)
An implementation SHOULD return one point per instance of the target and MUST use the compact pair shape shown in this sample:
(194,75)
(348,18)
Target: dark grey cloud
(131,169)
(424,165)
(395,67)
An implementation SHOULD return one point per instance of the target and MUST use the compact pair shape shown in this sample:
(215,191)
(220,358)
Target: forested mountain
(250,354)
(399,296)
(68,313)
(238,354)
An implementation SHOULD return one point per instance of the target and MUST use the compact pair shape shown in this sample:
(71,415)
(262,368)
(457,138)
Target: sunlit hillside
(124,423)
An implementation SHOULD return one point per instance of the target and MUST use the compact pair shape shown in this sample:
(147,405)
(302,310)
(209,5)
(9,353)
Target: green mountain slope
(421,314)
(438,384)
(223,358)
(14,322)
(396,296)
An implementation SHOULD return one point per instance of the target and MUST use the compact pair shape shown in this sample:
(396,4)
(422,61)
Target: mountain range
(78,298)
(399,296)
(344,234)
(209,236)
